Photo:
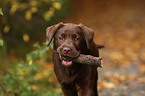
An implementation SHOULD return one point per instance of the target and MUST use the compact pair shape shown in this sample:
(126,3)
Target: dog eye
(77,38)
(61,38)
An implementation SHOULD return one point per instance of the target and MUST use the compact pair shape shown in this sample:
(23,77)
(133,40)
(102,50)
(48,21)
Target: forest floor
(119,26)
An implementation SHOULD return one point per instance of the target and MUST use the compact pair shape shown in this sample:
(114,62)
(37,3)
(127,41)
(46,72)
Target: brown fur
(71,40)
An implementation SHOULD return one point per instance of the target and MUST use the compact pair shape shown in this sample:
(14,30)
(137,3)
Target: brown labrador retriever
(71,40)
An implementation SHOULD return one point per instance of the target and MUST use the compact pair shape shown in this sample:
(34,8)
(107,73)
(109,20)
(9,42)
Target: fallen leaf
(108,84)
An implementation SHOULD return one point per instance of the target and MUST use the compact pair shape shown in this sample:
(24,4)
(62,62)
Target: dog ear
(99,46)
(88,33)
(50,31)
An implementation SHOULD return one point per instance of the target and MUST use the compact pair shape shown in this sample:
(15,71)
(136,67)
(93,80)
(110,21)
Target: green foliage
(29,78)
(1,13)
(37,54)
(1,42)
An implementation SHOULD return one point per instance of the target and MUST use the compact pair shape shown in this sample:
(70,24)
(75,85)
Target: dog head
(70,39)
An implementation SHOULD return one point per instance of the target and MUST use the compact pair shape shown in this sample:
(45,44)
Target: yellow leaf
(26,37)
(14,8)
(109,85)
(33,2)
(34,9)
(6,28)
(57,5)
(122,77)
(30,62)
(28,15)
(49,14)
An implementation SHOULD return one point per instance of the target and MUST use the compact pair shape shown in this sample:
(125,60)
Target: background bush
(29,77)
(23,23)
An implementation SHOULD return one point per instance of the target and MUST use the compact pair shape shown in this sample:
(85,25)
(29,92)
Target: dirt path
(119,25)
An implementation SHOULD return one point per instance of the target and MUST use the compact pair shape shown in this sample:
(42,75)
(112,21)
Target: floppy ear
(99,46)
(88,33)
(50,31)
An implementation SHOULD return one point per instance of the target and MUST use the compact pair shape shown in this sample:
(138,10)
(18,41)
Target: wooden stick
(85,59)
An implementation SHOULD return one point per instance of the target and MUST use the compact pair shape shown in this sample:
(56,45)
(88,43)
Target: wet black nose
(66,50)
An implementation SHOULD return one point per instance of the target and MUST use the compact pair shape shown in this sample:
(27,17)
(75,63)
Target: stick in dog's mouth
(82,59)
(65,60)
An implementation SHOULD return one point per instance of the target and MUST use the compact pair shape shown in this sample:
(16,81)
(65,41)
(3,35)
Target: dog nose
(66,50)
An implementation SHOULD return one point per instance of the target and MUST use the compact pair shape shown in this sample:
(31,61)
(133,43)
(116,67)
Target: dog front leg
(68,90)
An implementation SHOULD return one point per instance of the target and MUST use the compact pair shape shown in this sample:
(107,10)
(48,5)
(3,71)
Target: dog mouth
(67,61)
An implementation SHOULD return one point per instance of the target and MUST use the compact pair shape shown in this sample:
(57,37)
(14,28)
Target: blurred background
(26,67)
